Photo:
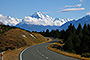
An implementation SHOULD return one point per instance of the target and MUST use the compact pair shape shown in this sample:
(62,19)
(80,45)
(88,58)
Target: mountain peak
(8,16)
(37,15)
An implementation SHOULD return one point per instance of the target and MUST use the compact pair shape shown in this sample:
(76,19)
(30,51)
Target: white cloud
(88,13)
(72,9)
(66,10)
(45,21)
(78,5)
(8,20)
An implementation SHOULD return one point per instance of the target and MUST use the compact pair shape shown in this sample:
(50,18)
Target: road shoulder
(66,53)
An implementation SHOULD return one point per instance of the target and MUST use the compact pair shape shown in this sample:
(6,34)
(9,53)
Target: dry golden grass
(14,37)
(66,53)
(14,55)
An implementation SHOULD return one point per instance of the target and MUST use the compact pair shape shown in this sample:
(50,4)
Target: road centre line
(41,54)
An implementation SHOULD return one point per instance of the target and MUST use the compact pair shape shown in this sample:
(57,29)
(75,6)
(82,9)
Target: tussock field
(15,40)
(20,38)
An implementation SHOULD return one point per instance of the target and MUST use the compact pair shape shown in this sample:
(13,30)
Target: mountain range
(83,20)
(40,22)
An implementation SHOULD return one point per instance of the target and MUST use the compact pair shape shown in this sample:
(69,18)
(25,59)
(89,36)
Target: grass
(65,53)
(11,37)
(14,54)
(14,37)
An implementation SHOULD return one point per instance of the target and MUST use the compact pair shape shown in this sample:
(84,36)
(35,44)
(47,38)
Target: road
(40,52)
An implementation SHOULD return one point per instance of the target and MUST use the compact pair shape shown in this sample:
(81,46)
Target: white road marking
(23,52)
(46,57)
(41,54)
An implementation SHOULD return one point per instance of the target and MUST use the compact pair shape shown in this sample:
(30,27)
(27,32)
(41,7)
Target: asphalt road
(40,52)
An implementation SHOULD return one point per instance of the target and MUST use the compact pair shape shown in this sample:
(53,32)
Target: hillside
(15,37)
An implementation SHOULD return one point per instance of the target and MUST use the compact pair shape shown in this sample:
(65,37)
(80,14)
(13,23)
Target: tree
(68,45)
(62,34)
(79,31)
(57,33)
(76,42)
(71,29)
(85,30)
(52,33)
(47,33)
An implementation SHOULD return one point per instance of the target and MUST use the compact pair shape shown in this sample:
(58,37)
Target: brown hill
(18,38)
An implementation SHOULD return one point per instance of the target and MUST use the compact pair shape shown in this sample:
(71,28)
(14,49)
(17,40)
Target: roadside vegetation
(53,47)
(75,40)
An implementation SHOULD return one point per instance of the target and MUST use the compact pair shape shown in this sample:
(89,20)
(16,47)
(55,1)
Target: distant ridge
(83,20)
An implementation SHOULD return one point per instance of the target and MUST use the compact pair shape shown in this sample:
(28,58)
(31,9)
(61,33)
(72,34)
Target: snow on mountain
(8,20)
(40,22)
(37,15)
(37,19)
(85,19)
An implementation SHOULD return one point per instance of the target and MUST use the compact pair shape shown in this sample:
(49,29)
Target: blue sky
(72,9)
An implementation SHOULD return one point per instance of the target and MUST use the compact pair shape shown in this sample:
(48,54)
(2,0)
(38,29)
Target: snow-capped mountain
(39,19)
(40,22)
(8,20)
(37,15)
(85,19)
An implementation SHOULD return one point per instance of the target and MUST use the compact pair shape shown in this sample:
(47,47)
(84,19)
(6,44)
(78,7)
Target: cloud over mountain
(36,19)
(8,20)
(39,19)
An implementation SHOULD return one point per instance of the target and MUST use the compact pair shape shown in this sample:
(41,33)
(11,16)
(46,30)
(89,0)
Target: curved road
(40,52)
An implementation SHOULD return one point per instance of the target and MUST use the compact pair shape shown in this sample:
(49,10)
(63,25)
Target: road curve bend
(40,52)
